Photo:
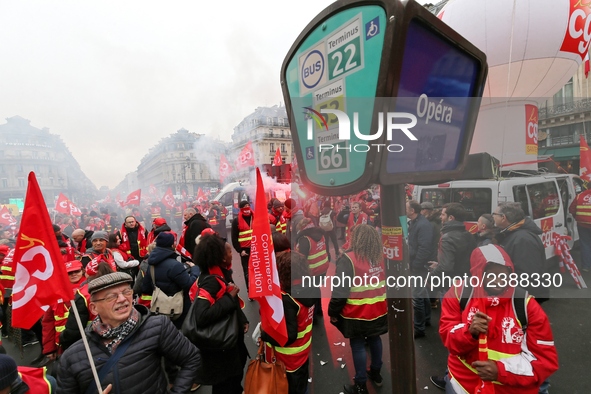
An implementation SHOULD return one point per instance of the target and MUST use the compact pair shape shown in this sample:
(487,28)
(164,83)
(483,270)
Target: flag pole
(86,347)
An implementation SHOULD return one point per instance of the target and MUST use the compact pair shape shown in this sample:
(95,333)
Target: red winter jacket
(524,359)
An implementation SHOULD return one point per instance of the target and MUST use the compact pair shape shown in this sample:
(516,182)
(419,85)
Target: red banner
(262,271)
(153,191)
(576,36)
(246,157)
(277,161)
(201,196)
(6,218)
(225,168)
(168,199)
(40,274)
(585,165)
(133,198)
(64,205)
(531,129)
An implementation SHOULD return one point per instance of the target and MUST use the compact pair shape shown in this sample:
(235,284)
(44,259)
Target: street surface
(331,363)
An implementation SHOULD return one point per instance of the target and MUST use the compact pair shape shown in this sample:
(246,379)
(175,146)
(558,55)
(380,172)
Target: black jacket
(420,244)
(171,277)
(195,225)
(455,248)
(524,246)
(140,368)
(71,332)
(218,365)
(351,328)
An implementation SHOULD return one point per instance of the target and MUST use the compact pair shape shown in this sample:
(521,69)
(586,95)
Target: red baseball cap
(73,265)
(159,221)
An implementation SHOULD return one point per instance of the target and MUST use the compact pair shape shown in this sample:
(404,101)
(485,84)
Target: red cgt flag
(277,161)
(168,199)
(154,191)
(246,157)
(585,166)
(225,168)
(64,205)
(40,274)
(6,218)
(262,269)
(201,196)
(133,198)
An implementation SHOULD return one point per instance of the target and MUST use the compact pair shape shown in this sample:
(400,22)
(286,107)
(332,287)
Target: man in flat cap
(135,338)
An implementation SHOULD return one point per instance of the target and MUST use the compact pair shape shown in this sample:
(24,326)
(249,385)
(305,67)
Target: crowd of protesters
(115,260)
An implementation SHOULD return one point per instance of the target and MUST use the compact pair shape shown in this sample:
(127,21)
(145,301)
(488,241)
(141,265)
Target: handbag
(264,377)
(163,304)
(220,335)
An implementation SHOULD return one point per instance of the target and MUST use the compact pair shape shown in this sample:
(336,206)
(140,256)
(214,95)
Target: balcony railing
(565,109)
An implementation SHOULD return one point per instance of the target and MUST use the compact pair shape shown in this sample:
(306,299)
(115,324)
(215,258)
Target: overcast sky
(114,77)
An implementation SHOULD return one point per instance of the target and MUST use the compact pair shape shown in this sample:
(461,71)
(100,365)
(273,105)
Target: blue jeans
(585,244)
(360,356)
(421,306)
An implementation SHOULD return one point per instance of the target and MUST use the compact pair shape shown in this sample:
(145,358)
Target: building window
(19,168)
(35,154)
(36,168)
(272,147)
(283,149)
(51,181)
(4,183)
(21,182)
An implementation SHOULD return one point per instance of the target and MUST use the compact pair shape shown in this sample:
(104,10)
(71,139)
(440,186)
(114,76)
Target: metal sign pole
(400,321)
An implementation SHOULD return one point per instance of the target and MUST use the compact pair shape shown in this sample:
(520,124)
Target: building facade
(183,162)
(25,148)
(562,120)
(268,129)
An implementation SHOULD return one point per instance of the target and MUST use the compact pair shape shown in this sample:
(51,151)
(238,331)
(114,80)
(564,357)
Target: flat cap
(427,205)
(108,280)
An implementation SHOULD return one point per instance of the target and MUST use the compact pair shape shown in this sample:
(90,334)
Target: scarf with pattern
(112,336)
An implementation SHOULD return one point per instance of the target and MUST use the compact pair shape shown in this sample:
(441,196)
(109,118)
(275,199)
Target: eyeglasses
(113,296)
(74,272)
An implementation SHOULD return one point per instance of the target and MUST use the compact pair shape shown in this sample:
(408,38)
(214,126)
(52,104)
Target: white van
(230,196)
(544,198)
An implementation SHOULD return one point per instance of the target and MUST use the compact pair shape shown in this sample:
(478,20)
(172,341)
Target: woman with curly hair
(217,296)
(358,308)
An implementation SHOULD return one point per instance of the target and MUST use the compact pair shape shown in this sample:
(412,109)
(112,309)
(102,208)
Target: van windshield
(476,201)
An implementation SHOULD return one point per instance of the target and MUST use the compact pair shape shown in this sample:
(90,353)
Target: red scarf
(141,237)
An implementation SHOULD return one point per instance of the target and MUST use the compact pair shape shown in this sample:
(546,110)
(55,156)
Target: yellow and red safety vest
(317,257)
(367,300)
(244,232)
(583,209)
(295,354)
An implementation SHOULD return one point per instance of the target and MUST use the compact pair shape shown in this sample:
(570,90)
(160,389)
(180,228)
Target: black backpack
(519,303)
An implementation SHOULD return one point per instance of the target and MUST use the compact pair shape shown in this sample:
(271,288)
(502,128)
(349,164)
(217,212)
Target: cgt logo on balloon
(578,30)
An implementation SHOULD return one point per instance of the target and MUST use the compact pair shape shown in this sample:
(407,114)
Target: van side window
(477,201)
(520,196)
(226,199)
(438,197)
(544,199)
